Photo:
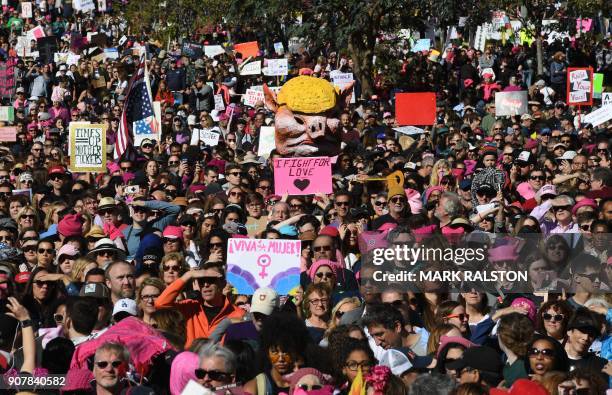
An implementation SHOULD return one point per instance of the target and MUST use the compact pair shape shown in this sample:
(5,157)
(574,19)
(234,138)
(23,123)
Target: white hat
(62,67)
(125,305)
(191,120)
(395,360)
(524,156)
(20,90)
(264,301)
(568,155)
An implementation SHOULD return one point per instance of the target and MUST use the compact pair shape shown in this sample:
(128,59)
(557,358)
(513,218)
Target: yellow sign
(87,147)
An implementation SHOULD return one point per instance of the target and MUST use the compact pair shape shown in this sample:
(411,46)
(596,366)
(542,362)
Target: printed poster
(87,147)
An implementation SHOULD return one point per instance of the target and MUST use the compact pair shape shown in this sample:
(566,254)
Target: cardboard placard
(266,141)
(415,108)
(580,86)
(8,134)
(302,176)
(279,48)
(277,67)
(102,5)
(208,137)
(409,130)
(597,85)
(36,33)
(598,116)
(511,103)
(213,50)
(250,48)
(84,5)
(252,96)
(26,9)
(256,263)
(192,50)
(251,68)
(606,99)
(219,104)
(7,114)
(87,147)
(422,44)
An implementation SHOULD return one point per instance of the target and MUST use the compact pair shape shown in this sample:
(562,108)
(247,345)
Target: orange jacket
(196,323)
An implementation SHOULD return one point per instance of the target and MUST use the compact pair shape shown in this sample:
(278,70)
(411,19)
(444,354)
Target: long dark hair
(41,311)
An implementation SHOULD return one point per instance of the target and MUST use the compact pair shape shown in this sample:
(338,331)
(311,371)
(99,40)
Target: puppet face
(305,134)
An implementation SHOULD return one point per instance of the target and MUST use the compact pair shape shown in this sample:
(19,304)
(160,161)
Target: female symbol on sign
(264,261)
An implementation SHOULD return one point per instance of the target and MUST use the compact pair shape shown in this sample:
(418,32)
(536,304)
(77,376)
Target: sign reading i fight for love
(87,147)
(302,176)
(256,263)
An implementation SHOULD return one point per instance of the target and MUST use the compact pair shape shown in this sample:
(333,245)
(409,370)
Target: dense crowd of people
(116,282)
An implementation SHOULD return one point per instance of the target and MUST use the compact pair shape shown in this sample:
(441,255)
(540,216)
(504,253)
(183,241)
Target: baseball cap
(173,232)
(264,301)
(125,305)
(482,358)
(548,190)
(524,157)
(395,360)
(568,155)
(57,170)
(95,290)
(526,116)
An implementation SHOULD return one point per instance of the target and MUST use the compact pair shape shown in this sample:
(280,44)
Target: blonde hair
(152,282)
(174,256)
(434,179)
(55,207)
(353,300)
(24,210)
(78,268)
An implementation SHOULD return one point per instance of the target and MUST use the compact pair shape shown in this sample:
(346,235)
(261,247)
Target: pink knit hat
(182,370)
(78,380)
(503,253)
(527,305)
(173,232)
(334,266)
(70,225)
(295,377)
(444,340)
(414,200)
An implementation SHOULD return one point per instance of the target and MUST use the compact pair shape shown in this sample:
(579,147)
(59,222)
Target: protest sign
(606,99)
(8,134)
(192,50)
(7,113)
(213,50)
(277,67)
(47,47)
(7,77)
(599,116)
(102,5)
(252,96)
(23,192)
(256,263)
(219,104)
(302,176)
(26,9)
(251,68)
(597,85)
(510,103)
(580,86)
(87,147)
(279,48)
(247,49)
(266,141)
(341,80)
(35,34)
(84,5)
(415,108)
(422,44)
(409,130)
(208,137)
(111,53)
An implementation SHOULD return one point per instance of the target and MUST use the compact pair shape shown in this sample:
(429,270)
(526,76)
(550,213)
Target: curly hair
(559,307)
(285,331)
(516,333)
(347,347)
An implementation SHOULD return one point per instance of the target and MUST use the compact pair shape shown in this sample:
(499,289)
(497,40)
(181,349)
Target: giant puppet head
(307,116)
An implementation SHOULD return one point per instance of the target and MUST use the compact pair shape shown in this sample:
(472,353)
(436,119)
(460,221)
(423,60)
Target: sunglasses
(213,375)
(592,277)
(235,173)
(173,162)
(321,248)
(106,211)
(541,178)
(147,146)
(55,177)
(104,364)
(396,303)
(46,251)
(208,280)
(462,316)
(213,245)
(397,199)
(342,204)
(40,283)
(562,208)
(324,275)
(105,253)
(29,249)
(170,240)
(236,194)
(380,203)
(171,268)
(126,168)
(554,318)
(545,352)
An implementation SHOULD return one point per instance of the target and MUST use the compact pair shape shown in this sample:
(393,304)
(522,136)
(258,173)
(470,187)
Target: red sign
(580,86)
(415,108)
(247,49)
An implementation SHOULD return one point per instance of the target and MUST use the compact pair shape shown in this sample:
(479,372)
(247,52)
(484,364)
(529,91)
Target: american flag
(137,111)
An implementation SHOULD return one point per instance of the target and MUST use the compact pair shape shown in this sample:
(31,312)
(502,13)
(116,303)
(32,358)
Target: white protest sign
(599,116)
(208,137)
(84,5)
(577,97)
(409,130)
(26,9)
(35,33)
(277,67)
(266,141)
(87,147)
(256,263)
(157,112)
(252,96)
(606,99)
(578,75)
(251,68)
(279,48)
(102,5)
(219,104)
(581,86)
(213,50)
(342,78)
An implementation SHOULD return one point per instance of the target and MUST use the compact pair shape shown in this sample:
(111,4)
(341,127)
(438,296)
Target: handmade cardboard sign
(580,86)
(7,114)
(256,263)
(213,50)
(415,108)
(302,176)
(251,68)
(247,49)
(8,134)
(277,67)
(252,96)
(511,103)
(208,137)
(87,147)
(266,141)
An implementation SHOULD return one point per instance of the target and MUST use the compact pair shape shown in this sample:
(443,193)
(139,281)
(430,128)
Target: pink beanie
(414,200)
(182,370)
(296,376)
(430,190)
(173,232)
(527,305)
(70,225)
(322,262)
(444,340)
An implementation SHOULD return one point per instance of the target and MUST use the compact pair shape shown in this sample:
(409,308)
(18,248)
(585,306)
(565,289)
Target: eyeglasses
(462,316)
(321,248)
(104,364)
(342,204)
(398,199)
(149,297)
(235,174)
(170,240)
(562,208)
(554,318)
(171,268)
(541,178)
(46,251)
(380,203)
(318,301)
(324,275)
(214,375)
(545,352)
(307,387)
(592,277)
(354,365)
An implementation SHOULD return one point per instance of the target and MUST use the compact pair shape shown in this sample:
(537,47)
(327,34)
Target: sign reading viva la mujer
(87,147)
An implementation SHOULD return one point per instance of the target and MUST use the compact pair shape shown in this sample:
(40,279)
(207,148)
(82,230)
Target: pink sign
(586,24)
(302,176)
